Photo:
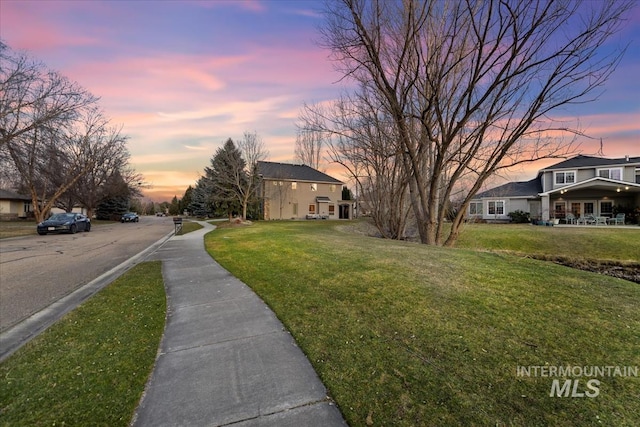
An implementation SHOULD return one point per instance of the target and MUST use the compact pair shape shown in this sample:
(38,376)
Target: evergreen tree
(225,175)
(174,207)
(199,205)
(185,202)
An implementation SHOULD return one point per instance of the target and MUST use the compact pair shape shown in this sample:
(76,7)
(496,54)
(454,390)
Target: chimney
(626,157)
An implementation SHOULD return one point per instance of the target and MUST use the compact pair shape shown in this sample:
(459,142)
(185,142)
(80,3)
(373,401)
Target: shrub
(519,217)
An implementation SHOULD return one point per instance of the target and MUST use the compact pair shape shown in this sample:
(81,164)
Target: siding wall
(280,199)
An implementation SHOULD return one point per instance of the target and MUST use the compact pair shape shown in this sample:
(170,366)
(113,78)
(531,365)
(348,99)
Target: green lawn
(401,333)
(406,334)
(90,368)
(617,244)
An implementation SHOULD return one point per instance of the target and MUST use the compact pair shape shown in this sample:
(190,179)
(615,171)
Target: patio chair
(601,220)
(587,220)
(570,218)
(618,219)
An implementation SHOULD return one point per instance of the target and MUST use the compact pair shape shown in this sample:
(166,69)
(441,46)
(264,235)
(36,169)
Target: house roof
(514,189)
(598,183)
(581,161)
(12,195)
(291,172)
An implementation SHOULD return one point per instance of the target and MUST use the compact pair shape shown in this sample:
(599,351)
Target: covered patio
(594,202)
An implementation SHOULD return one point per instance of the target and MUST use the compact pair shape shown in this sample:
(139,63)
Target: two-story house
(582,185)
(289,191)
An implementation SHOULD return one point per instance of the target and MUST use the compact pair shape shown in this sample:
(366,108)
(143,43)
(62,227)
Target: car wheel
(136,219)
(88,227)
(73,229)
(42,233)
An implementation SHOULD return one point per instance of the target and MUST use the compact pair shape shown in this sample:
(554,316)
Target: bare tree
(470,86)
(311,140)
(361,143)
(32,96)
(106,155)
(253,150)
(52,160)
(54,134)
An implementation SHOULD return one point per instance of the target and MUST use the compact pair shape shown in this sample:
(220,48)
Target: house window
(606,208)
(563,178)
(27,207)
(559,210)
(332,210)
(294,185)
(496,207)
(575,209)
(314,187)
(295,209)
(588,208)
(475,208)
(332,188)
(637,175)
(312,209)
(613,173)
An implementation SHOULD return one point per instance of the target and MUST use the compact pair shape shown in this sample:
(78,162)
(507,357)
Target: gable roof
(290,172)
(598,183)
(581,161)
(12,195)
(514,189)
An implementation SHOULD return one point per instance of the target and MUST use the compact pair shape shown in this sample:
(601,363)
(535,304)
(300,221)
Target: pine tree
(226,175)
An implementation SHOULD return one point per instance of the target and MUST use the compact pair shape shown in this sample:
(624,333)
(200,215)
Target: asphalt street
(36,271)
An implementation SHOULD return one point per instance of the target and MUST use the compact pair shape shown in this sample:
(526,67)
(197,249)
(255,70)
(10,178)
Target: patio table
(601,220)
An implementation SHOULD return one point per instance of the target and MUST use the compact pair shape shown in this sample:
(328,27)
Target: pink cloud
(40,28)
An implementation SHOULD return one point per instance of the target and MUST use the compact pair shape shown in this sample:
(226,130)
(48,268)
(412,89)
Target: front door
(576,209)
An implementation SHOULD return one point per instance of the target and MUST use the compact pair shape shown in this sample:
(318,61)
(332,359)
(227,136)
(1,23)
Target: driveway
(36,271)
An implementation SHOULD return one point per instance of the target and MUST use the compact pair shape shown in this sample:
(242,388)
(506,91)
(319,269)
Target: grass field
(405,334)
(90,368)
(401,333)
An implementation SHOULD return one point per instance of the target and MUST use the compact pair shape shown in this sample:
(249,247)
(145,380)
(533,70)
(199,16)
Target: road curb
(20,334)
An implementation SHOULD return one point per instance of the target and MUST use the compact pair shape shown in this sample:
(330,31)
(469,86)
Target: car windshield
(61,216)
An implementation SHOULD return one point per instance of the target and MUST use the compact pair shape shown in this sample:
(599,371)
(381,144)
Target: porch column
(545,208)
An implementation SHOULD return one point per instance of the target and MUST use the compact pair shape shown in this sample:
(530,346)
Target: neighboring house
(14,206)
(290,191)
(76,209)
(582,185)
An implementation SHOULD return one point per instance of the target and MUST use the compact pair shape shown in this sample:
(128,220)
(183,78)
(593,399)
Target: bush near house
(632,215)
(519,217)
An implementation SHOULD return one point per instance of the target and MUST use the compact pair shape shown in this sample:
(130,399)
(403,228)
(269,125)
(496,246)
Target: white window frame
(564,174)
(314,187)
(602,202)
(601,173)
(477,208)
(294,185)
(496,207)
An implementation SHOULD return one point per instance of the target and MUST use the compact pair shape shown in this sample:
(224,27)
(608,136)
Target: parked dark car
(64,223)
(129,217)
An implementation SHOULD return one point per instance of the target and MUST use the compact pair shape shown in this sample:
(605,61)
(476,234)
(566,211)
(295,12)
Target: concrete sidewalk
(224,357)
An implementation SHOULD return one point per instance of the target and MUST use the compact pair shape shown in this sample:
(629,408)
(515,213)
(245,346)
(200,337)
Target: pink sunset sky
(183,76)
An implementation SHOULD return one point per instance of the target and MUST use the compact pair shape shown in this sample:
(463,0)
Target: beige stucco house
(577,187)
(289,191)
(14,206)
